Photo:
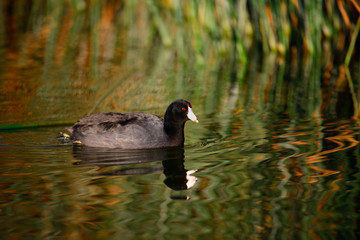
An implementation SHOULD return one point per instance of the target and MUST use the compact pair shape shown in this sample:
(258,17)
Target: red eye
(183,109)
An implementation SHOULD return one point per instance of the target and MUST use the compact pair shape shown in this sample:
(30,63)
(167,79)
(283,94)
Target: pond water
(296,180)
(275,154)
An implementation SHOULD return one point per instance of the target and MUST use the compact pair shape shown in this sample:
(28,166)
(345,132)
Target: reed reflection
(177,177)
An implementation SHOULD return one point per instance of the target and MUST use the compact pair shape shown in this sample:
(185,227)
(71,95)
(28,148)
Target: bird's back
(120,130)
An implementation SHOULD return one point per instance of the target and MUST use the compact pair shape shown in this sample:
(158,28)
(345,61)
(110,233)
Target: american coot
(135,130)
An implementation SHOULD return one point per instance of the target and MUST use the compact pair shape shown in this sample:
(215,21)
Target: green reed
(216,24)
(209,46)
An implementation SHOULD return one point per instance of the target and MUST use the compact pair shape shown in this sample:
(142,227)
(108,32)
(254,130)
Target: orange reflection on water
(303,142)
(344,140)
(324,210)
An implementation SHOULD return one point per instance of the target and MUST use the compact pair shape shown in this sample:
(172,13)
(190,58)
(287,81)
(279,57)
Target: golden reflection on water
(310,168)
(311,147)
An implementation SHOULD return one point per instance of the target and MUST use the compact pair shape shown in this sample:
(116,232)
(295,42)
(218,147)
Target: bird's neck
(174,130)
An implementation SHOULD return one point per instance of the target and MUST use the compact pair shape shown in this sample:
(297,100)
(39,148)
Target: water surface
(297,179)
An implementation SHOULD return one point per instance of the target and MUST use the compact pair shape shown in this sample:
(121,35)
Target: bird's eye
(183,109)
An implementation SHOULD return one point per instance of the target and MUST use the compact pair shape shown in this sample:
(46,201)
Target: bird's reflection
(177,177)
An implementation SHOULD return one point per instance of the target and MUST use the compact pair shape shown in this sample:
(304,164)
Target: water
(298,180)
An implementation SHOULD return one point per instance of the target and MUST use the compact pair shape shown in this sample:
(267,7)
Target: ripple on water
(276,176)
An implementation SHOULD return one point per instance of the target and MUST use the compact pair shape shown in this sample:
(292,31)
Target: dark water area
(275,154)
(296,179)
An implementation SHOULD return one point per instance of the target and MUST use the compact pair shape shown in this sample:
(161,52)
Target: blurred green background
(65,59)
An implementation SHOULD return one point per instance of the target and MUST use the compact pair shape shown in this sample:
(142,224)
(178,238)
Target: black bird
(134,130)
